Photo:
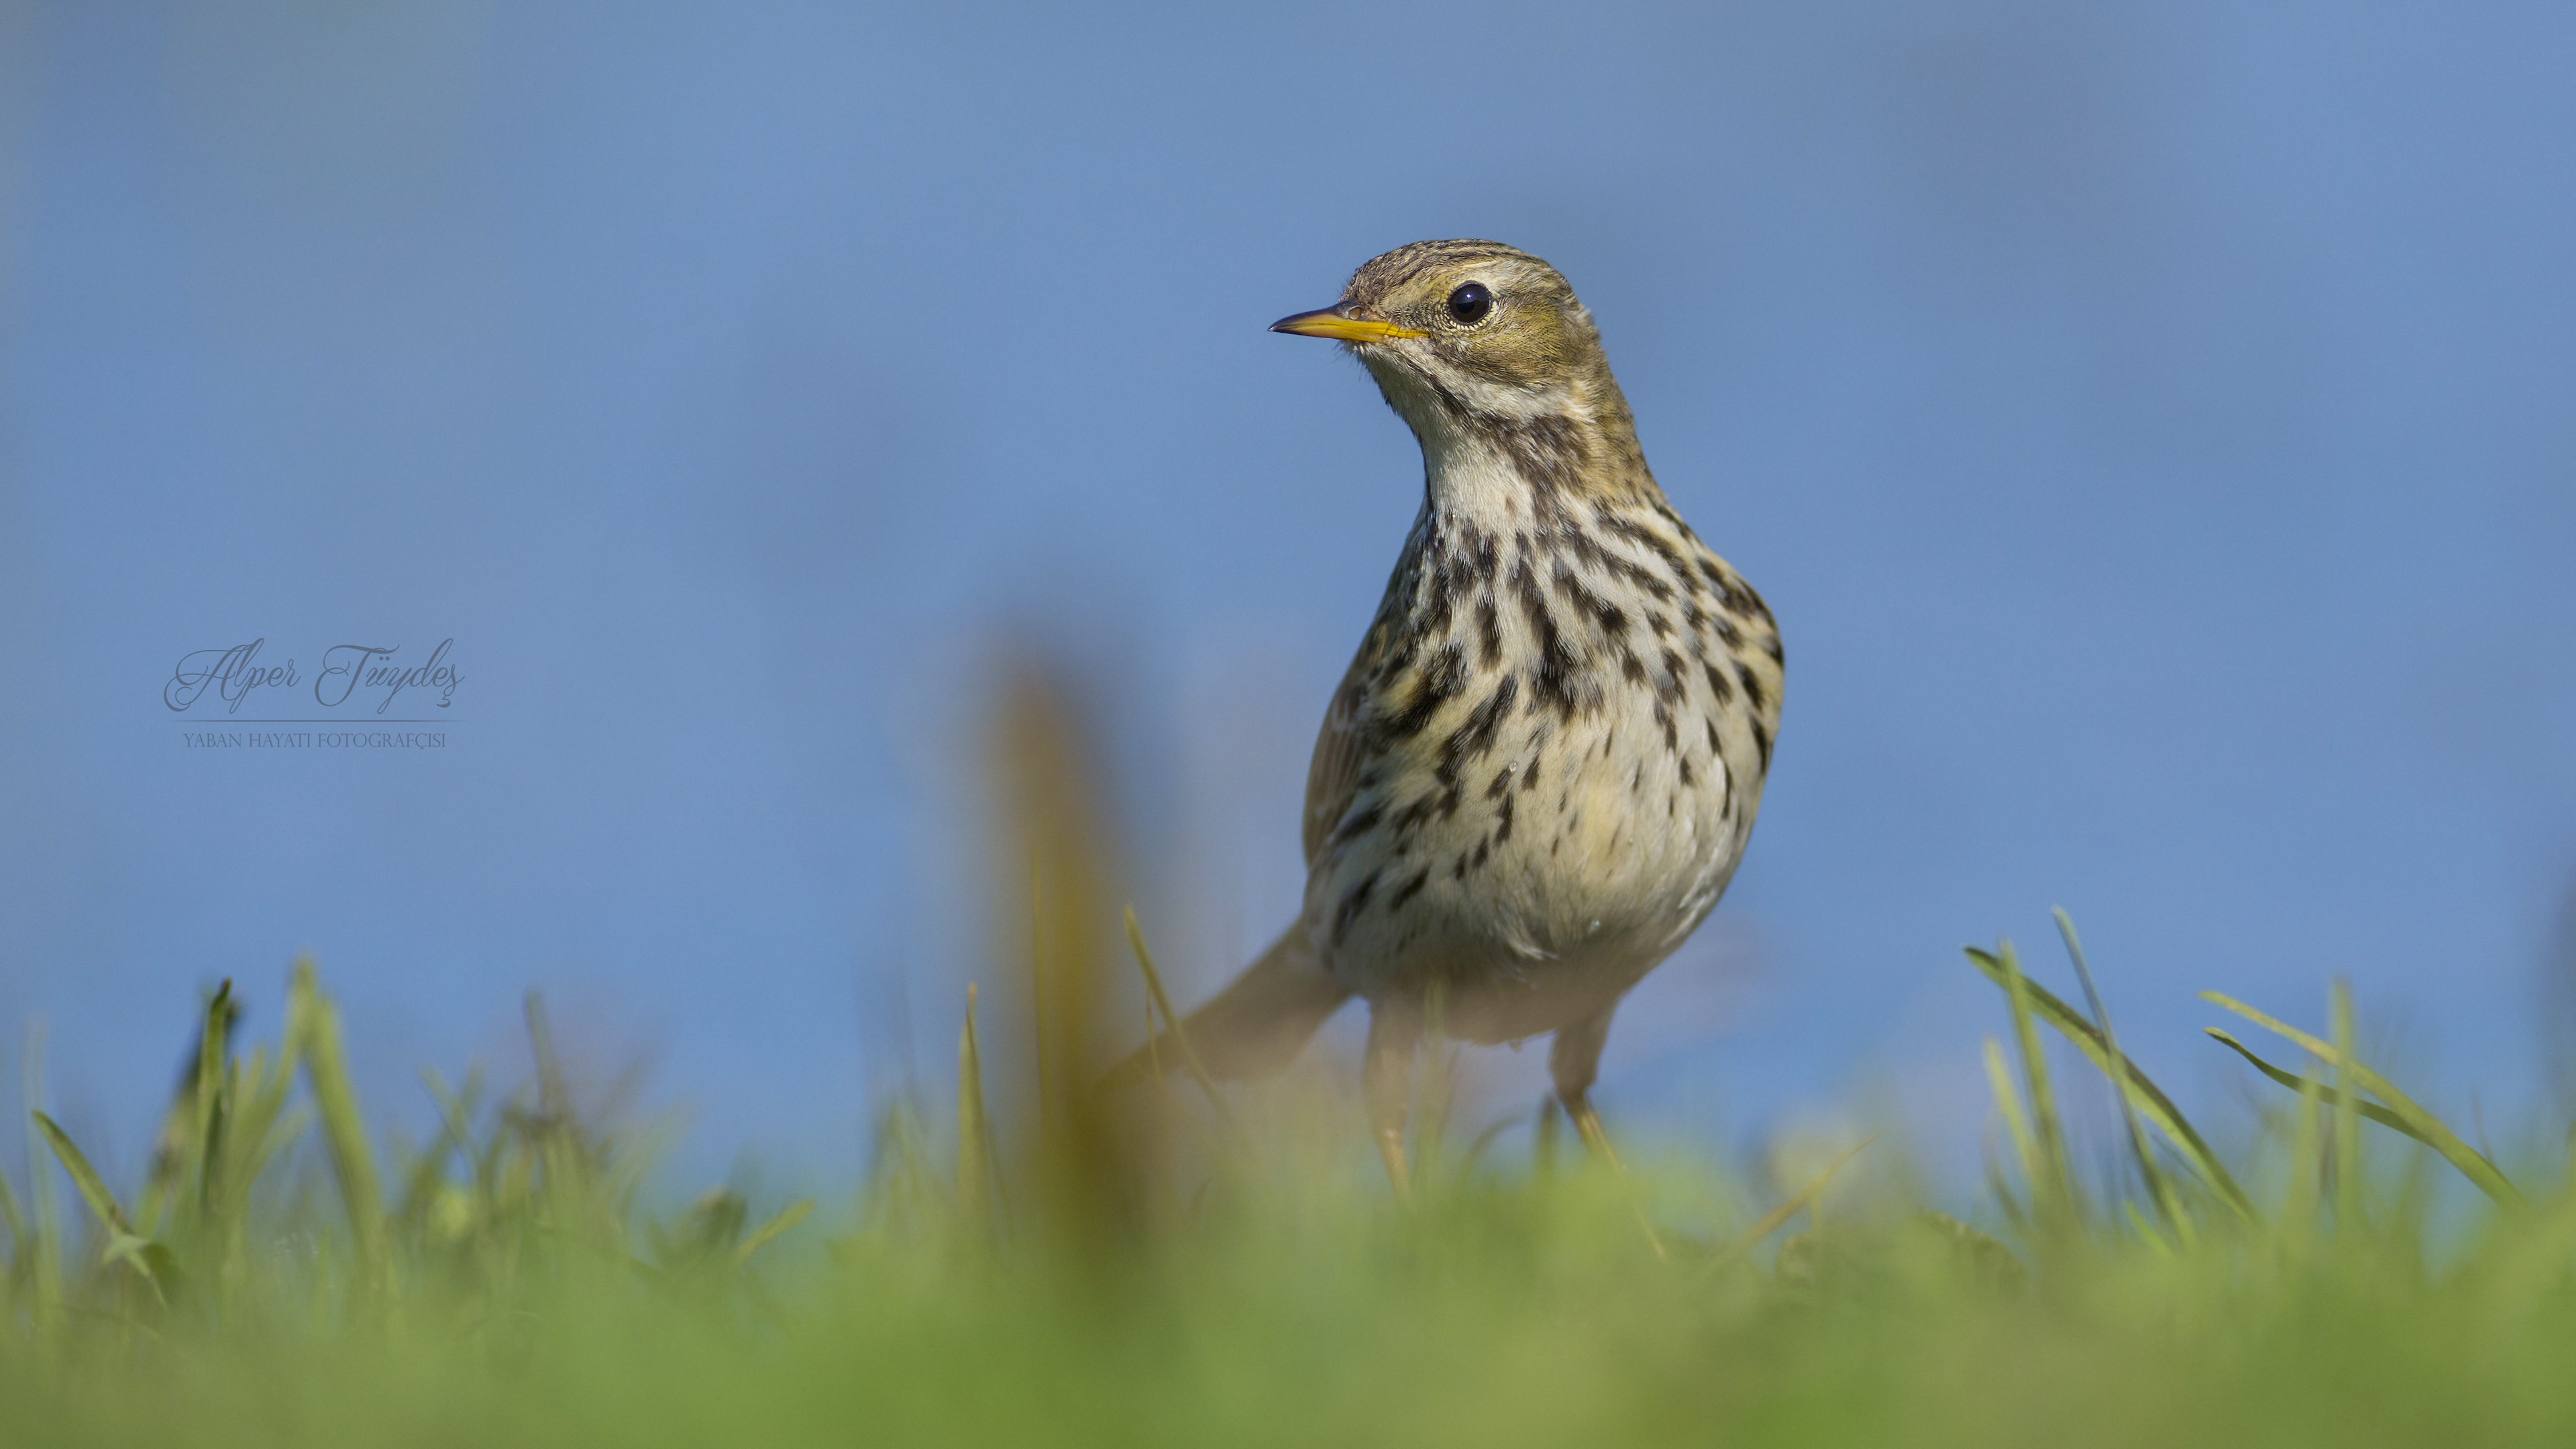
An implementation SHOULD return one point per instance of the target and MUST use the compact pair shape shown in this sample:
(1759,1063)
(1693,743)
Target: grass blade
(788,1217)
(21,1239)
(47,1262)
(151,1259)
(259,1102)
(2427,1128)
(2117,1069)
(2008,1101)
(2299,1197)
(2325,1095)
(426,1174)
(1180,1037)
(2151,1102)
(2347,1122)
(316,1025)
(158,1265)
(2053,1191)
(971,1129)
(1797,1202)
(456,1118)
(1493,1131)
(1038,994)
(211,1061)
(85,1178)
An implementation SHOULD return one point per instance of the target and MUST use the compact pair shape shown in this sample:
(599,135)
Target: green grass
(1171,1269)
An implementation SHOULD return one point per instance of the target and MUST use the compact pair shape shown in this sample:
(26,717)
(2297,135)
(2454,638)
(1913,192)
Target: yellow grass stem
(768,1232)
(1806,1197)
(1180,1037)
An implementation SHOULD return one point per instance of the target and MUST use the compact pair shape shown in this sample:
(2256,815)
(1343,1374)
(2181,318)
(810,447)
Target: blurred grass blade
(1154,1048)
(426,1175)
(148,1258)
(2052,1190)
(971,1129)
(2008,1102)
(1047,767)
(2325,1095)
(1180,1037)
(259,1102)
(2307,1165)
(2147,1232)
(1038,993)
(788,1217)
(2151,1101)
(212,1044)
(456,1115)
(46,1264)
(2347,1123)
(554,1096)
(1485,1139)
(2159,1191)
(2426,1128)
(1797,1202)
(2014,1213)
(84,1178)
(158,1265)
(316,1025)
(21,1238)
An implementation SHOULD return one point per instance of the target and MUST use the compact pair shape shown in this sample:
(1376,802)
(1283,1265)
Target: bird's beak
(1338,324)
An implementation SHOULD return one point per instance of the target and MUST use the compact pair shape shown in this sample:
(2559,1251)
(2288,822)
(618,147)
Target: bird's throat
(1519,457)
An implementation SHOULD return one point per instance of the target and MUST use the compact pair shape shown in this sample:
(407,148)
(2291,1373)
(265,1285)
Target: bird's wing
(1334,776)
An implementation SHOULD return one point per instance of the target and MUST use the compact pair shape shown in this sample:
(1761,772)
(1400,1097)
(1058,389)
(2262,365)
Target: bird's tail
(1255,1026)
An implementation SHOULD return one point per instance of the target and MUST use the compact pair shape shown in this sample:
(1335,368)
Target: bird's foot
(1587,1125)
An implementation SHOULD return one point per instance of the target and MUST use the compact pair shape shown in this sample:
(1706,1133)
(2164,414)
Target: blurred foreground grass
(1161,1272)
(1177,1266)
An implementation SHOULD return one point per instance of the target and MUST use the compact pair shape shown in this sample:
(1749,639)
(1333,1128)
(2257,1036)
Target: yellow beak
(1338,324)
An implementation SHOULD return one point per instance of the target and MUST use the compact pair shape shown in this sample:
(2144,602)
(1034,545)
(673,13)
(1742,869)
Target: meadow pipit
(1539,773)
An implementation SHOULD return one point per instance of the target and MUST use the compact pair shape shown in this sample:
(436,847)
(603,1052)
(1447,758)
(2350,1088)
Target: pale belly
(1540,881)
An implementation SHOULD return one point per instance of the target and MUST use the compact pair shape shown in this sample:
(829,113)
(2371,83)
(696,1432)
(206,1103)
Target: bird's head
(1465,337)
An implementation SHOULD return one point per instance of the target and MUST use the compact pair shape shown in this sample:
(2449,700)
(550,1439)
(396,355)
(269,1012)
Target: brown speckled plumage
(1540,770)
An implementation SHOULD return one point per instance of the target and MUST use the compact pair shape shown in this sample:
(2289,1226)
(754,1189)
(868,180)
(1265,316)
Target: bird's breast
(1563,722)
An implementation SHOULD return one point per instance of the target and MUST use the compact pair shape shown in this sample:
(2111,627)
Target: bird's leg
(1386,1081)
(1573,1060)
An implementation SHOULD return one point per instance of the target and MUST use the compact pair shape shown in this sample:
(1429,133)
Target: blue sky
(2150,424)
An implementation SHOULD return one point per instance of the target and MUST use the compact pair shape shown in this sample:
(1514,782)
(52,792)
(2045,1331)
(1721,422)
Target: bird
(1541,768)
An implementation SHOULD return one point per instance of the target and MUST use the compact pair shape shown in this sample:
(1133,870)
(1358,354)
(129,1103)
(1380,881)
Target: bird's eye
(1470,303)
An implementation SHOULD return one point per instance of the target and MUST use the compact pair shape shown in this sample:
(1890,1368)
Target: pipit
(1539,773)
